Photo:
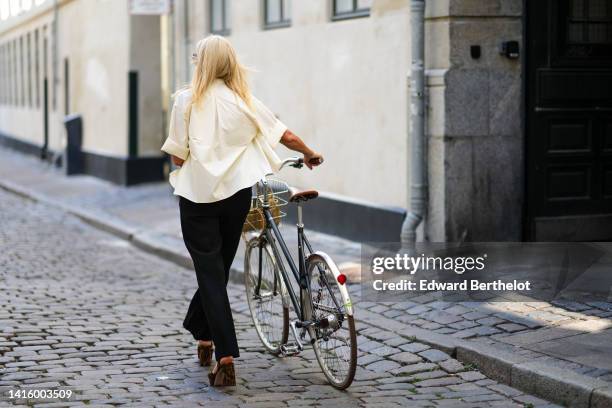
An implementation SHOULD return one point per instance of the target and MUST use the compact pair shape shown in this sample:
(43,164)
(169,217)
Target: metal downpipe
(418,183)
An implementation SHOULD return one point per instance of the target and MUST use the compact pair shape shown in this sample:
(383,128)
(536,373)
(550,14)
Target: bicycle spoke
(335,345)
(265,297)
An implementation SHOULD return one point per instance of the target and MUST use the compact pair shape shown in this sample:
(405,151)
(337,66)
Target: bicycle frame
(271,233)
(317,316)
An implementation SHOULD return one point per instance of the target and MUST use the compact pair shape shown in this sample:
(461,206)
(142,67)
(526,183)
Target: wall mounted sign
(150,7)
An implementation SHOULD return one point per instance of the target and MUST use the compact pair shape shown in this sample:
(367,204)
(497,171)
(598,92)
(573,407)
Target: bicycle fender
(346,299)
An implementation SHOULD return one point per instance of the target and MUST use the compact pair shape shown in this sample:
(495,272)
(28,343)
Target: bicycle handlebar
(297,162)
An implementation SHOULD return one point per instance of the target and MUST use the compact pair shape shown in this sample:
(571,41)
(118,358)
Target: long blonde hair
(215,58)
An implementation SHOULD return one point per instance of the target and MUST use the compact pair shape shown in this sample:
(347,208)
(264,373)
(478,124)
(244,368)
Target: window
(37,68)
(29,68)
(2,75)
(343,9)
(53,76)
(7,73)
(590,22)
(66,86)
(22,94)
(219,21)
(277,13)
(13,71)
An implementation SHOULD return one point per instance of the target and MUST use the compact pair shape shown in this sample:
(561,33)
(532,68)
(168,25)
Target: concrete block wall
(475,121)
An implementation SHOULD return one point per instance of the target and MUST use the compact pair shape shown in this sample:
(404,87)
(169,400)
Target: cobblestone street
(550,334)
(83,310)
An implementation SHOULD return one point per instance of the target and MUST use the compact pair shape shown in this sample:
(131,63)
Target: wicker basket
(275,190)
(255,218)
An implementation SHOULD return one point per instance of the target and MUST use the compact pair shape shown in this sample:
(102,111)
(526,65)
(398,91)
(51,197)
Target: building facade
(518,106)
(87,57)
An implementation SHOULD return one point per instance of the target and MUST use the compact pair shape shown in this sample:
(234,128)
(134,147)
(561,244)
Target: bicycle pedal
(289,349)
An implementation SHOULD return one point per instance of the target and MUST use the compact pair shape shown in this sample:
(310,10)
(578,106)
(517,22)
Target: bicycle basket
(275,190)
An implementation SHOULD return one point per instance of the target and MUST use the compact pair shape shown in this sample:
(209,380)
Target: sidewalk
(147,214)
(560,352)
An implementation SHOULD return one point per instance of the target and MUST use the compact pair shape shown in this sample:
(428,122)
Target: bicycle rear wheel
(335,338)
(266,295)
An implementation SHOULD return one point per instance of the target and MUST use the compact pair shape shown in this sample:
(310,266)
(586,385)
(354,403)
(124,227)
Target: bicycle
(324,310)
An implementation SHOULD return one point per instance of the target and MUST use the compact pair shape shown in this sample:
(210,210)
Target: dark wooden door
(569,119)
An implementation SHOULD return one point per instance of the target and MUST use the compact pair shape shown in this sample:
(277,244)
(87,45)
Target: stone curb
(542,380)
(602,397)
(564,387)
(494,363)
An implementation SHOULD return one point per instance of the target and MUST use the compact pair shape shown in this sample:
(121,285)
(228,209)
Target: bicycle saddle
(299,196)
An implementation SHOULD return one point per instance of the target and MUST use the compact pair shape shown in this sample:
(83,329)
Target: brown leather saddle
(302,196)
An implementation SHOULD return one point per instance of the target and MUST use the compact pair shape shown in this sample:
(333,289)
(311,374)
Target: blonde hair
(215,58)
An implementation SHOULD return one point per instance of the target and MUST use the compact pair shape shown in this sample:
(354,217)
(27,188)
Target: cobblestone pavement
(497,319)
(85,311)
(569,335)
(152,206)
(531,329)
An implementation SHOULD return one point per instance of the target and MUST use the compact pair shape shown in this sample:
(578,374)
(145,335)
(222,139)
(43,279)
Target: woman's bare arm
(293,142)
(177,160)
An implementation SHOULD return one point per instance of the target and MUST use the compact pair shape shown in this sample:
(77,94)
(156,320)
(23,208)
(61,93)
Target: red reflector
(341,279)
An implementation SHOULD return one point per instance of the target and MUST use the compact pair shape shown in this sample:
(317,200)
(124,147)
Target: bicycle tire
(270,313)
(314,308)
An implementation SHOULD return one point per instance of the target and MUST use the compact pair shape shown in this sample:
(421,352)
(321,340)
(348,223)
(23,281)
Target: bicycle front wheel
(334,336)
(266,295)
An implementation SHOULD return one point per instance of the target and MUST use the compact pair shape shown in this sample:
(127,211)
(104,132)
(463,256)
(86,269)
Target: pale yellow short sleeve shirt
(226,145)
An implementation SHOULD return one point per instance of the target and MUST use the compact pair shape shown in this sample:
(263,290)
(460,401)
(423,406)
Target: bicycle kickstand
(291,349)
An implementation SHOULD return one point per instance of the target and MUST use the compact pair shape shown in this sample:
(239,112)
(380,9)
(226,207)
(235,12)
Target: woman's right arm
(276,132)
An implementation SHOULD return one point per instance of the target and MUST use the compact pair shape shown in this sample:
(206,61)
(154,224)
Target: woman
(223,138)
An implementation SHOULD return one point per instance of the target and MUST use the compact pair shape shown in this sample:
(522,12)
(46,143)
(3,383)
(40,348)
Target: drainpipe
(418,183)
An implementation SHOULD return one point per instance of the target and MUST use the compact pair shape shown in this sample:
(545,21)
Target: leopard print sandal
(225,376)
(205,353)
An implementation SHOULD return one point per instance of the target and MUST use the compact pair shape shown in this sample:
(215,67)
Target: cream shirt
(226,145)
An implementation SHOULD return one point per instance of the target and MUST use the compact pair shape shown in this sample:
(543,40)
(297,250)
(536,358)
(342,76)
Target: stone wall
(475,121)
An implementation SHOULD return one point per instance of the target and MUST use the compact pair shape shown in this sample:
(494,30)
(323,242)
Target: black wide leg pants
(211,232)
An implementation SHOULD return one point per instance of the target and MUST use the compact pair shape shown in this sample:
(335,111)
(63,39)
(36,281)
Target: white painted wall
(341,86)
(98,50)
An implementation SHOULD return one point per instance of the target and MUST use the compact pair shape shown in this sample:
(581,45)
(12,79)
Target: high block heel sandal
(225,376)
(205,353)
